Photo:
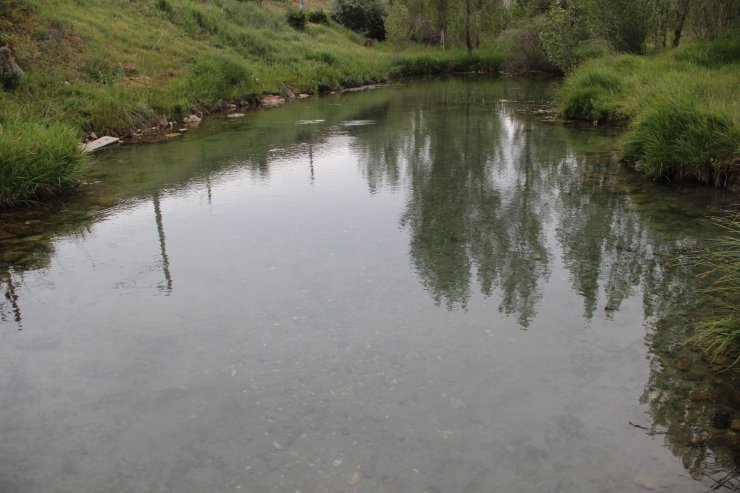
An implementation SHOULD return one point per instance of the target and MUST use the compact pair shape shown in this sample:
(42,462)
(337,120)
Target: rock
(193,119)
(235,115)
(100,143)
(10,72)
(337,462)
(173,135)
(302,96)
(735,425)
(354,480)
(231,107)
(182,129)
(93,136)
(162,121)
(277,445)
(272,101)
(647,482)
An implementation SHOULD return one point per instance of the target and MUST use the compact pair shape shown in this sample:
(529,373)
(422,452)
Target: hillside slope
(115,65)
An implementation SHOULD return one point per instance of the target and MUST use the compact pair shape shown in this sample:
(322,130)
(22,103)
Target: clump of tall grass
(719,330)
(37,161)
(675,134)
(596,91)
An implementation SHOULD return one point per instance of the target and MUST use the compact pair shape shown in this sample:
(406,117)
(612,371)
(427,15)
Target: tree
(564,27)
(683,7)
(398,26)
(623,23)
(362,16)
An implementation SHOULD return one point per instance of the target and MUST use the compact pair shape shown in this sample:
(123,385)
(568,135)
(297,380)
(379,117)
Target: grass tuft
(37,161)
(719,331)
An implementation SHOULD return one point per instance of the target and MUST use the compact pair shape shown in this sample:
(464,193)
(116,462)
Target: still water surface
(423,288)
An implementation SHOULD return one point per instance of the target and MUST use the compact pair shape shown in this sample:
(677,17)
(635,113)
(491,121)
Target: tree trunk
(683,11)
(468,40)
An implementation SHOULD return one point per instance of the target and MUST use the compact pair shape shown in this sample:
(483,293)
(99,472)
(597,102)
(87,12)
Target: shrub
(624,23)
(562,30)
(296,19)
(318,17)
(362,16)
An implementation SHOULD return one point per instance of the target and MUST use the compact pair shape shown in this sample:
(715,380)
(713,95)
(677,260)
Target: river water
(432,287)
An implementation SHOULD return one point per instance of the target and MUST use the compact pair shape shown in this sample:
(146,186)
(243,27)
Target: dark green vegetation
(679,106)
(719,330)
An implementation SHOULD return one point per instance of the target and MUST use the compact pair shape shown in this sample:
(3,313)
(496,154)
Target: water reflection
(327,353)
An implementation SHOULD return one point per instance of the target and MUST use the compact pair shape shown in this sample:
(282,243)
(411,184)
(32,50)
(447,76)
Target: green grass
(681,107)
(719,331)
(117,66)
(37,161)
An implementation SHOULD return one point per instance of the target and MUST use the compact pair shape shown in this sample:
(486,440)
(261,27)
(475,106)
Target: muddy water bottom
(428,288)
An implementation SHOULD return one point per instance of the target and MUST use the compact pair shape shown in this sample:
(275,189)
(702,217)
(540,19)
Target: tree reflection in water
(485,186)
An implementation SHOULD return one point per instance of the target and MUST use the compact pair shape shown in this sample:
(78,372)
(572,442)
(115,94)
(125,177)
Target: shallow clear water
(429,287)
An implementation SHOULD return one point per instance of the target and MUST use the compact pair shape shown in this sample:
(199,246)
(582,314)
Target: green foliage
(318,17)
(362,16)
(563,29)
(722,51)
(682,114)
(623,23)
(719,329)
(296,19)
(37,160)
(216,77)
(523,51)
(398,26)
(457,61)
(674,133)
(101,71)
(593,92)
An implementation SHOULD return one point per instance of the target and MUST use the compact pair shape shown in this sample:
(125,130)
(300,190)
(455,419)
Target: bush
(37,161)
(523,52)
(624,23)
(296,19)
(318,17)
(362,16)
(562,30)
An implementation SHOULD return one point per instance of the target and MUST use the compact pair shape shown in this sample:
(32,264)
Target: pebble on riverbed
(354,480)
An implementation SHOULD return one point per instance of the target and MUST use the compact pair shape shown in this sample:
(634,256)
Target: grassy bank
(119,66)
(680,108)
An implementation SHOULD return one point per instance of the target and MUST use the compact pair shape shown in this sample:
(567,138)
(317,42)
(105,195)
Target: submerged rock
(354,480)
